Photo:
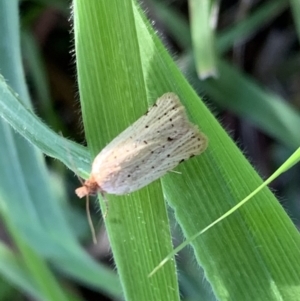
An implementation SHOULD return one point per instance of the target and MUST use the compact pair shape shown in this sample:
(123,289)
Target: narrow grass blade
(113,95)
(202,30)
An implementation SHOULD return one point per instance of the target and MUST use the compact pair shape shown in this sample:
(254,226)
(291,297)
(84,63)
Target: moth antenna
(89,217)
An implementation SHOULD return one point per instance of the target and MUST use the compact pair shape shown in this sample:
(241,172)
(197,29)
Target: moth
(155,144)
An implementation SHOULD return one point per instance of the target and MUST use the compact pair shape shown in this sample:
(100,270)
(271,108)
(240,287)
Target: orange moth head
(89,187)
(82,191)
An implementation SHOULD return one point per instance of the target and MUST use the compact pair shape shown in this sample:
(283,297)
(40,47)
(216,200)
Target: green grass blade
(237,92)
(242,95)
(71,259)
(212,184)
(203,38)
(12,269)
(19,160)
(51,143)
(294,159)
(244,29)
(175,23)
(40,81)
(27,203)
(113,95)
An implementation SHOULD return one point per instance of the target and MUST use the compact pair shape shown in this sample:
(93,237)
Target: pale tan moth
(155,144)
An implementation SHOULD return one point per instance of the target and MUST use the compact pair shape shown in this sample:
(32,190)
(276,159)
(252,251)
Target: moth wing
(155,143)
(141,130)
(156,161)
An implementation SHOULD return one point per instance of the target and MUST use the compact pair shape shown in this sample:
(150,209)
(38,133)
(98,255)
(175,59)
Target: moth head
(89,187)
